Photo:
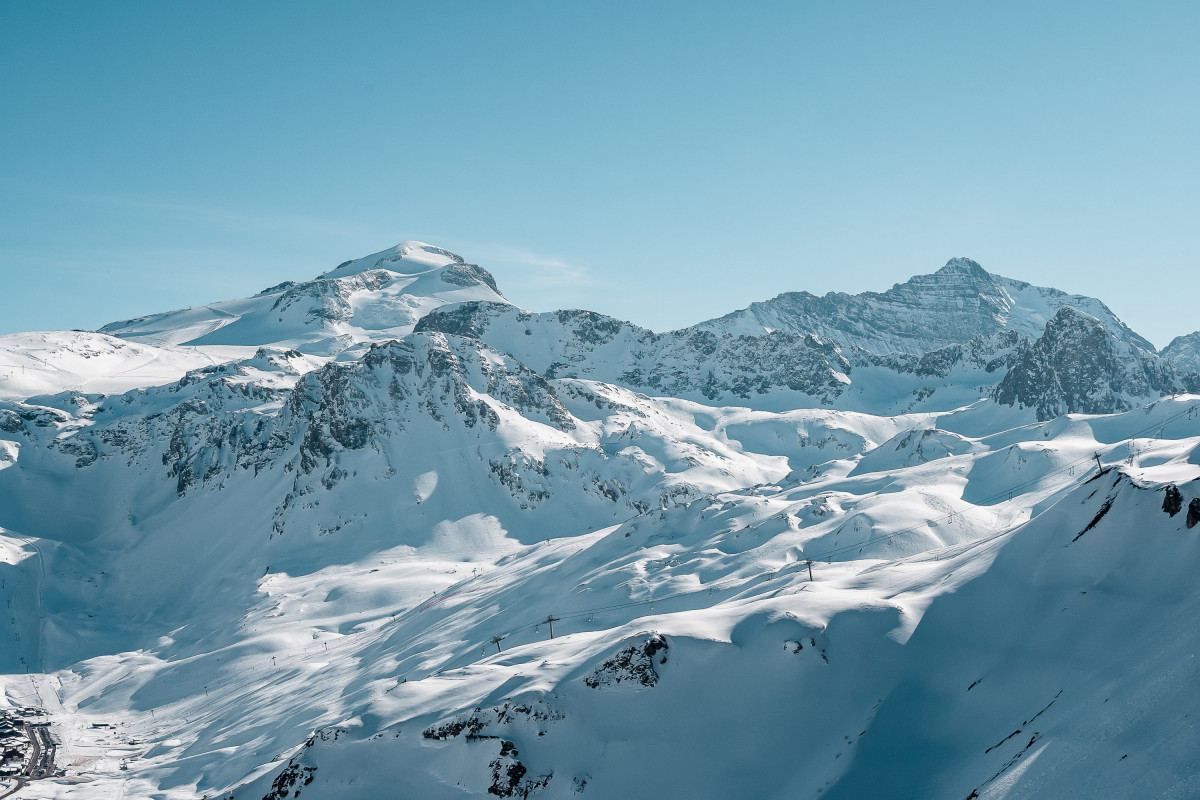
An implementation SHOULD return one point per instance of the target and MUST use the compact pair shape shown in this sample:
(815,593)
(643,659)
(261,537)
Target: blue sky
(664,163)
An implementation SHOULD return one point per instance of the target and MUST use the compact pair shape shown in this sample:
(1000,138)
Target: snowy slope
(1059,671)
(380,296)
(953,305)
(307,544)
(773,686)
(51,362)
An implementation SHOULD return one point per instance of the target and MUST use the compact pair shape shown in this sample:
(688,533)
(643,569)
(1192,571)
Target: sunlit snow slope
(383,534)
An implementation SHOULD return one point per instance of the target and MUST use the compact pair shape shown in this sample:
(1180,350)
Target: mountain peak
(1079,365)
(406,258)
(963,266)
(960,301)
(380,296)
(1069,315)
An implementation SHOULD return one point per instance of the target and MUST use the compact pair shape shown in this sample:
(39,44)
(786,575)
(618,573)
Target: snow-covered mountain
(960,301)
(376,297)
(385,534)
(1184,352)
(1079,366)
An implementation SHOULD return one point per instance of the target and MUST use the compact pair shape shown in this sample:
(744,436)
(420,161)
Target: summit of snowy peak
(1069,316)
(406,258)
(380,296)
(963,266)
(953,305)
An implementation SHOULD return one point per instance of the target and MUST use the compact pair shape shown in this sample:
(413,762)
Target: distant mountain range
(934,342)
(933,542)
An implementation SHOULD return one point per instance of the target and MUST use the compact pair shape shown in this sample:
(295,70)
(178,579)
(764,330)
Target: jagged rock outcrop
(1079,366)
(509,776)
(722,367)
(1172,500)
(425,375)
(1184,353)
(991,353)
(633,665)
(692,361)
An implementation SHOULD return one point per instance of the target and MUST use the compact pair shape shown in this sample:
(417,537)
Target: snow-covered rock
(1078,366)
(384,534)
(688,363)
(928,312)
(1184,353)
(377,297)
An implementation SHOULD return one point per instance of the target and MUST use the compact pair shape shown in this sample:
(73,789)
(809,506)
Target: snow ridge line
(994,498)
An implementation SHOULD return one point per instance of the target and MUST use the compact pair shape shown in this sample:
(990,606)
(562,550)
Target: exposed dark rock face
(510,777)
(1193,516)
(467,319)
(1172,500)
(691,361)
(81,447)
(10,421)
(992,353)
(301,769)
(634,664)
(477,721)
(1104,509)
(469,275)
(1078,366)
(290,782)
(338,406)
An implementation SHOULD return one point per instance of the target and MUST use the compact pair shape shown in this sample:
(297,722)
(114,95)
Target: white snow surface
(377,297)
(52,362)
(959,301)
(248,553)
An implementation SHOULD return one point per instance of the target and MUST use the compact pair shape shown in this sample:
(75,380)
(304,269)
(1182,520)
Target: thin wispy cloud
(530,269)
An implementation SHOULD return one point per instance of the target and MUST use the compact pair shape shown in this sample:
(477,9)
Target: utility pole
(1099,466)
(808,563)
(550,620)
(496,641)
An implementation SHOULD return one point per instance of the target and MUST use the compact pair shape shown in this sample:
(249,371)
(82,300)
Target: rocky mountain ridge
(384,532)
(1078,366)
(960,301)
(1184,352)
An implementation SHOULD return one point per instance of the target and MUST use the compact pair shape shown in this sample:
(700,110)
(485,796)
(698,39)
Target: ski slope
(312,558)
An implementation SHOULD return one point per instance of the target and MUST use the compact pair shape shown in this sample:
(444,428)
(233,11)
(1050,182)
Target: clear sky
(661,162)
